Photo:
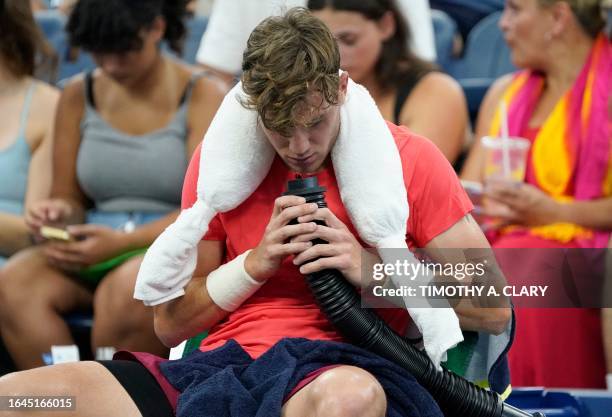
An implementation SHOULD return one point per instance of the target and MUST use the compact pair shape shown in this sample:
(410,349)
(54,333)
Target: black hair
(397,63)
(114,26)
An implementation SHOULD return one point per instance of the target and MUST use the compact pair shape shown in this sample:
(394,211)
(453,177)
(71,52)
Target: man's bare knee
(348,391)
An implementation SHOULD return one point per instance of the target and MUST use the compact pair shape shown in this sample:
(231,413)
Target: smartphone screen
(49,232)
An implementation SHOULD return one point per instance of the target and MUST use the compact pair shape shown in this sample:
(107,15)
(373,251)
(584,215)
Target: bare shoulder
(209,88)
(44,100)
(490,103)
(438,83)
(73,93)
(46,92)
(434,95)
(42,113)
(498,88)
(433,90)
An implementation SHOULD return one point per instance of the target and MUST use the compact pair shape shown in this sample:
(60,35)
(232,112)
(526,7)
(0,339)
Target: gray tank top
(121,172)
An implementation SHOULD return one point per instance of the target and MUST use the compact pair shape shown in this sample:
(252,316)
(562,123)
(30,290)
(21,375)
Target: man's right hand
(263,261)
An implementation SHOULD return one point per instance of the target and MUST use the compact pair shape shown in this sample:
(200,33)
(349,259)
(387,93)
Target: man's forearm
(186,316)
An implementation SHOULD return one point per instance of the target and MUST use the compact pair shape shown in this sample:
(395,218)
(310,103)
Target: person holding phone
(124,134)
(27,107)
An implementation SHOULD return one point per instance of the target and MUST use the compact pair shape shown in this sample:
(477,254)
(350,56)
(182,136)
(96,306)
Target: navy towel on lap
(226,382)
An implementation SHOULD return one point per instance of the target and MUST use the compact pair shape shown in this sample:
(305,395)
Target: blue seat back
(195,29)
(486,53)
(50,22)
(445,30)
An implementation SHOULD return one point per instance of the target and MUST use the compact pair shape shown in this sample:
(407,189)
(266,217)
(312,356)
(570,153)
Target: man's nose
(299,143)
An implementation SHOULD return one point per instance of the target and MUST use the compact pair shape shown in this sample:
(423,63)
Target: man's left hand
(522,204)
(342,250)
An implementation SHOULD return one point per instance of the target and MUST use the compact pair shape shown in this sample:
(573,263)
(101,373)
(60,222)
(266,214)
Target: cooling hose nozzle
(341,304)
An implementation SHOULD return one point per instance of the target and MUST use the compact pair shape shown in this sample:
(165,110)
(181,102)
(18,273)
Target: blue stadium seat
(486,58)
(195,29)
(70,65)
(563,403)
(486,53)
(50,22)
(475,90)
(195,26)
(445,30)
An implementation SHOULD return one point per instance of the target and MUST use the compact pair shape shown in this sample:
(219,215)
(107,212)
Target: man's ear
(343,85)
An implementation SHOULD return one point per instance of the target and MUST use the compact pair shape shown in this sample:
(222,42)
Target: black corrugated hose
(340,302)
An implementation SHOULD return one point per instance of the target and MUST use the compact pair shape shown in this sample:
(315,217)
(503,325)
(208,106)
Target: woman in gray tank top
(123,137)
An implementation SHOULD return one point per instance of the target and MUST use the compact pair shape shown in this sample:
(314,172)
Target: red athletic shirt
(284,307)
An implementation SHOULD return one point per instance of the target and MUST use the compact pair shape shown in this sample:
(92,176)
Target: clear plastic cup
(502,168)
(498,167)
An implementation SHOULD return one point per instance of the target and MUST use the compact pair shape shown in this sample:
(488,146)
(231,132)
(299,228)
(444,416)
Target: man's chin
(308,169)
(311,170)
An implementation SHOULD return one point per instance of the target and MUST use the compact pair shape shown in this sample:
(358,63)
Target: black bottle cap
(304,186)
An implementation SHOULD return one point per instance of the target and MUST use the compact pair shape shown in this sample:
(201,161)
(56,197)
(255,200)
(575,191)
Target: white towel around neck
(235,159)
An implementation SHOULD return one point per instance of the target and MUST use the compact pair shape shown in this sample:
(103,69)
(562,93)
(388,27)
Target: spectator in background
(372,36)
(231,22)
(28,108)
(467,13)
(559,101)
(123,136)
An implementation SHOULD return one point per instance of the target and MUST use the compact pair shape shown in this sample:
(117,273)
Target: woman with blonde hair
(559,102)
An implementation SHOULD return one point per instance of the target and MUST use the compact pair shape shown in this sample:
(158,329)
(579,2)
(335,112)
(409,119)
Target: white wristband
(229,285)
(609,381)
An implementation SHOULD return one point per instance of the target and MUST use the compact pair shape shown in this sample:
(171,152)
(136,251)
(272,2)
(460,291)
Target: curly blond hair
(286,58)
